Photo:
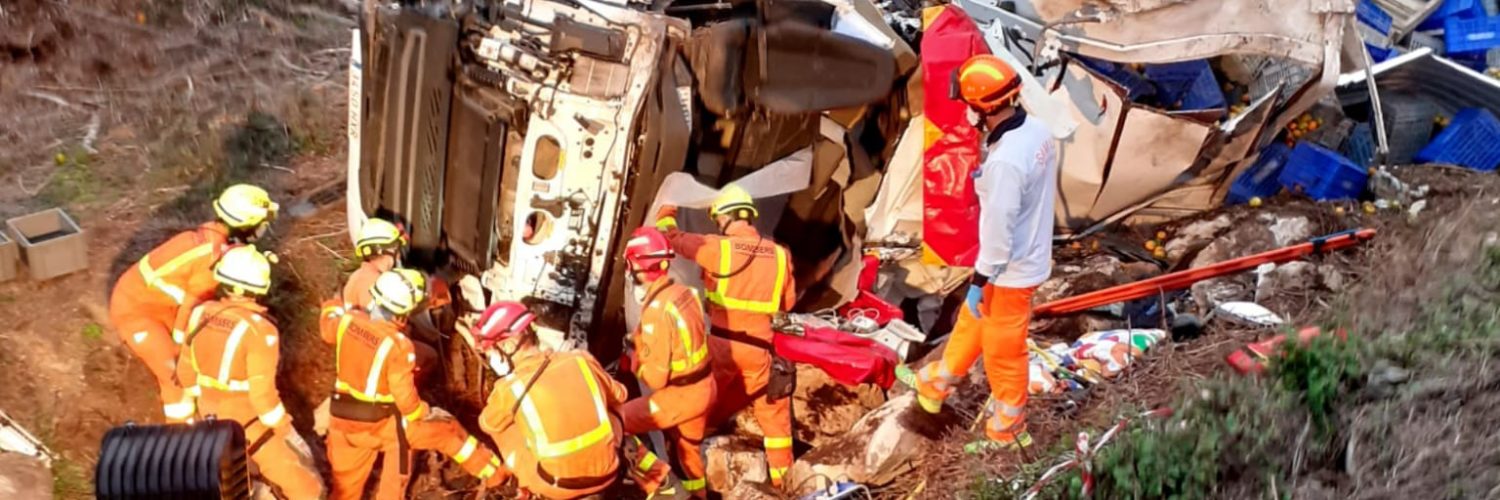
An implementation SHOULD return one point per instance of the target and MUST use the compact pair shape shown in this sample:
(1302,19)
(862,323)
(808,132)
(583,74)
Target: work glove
(434,414)
(975,298)
(666,218)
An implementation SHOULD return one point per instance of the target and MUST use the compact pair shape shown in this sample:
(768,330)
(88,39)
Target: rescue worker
(747,279)
(671,357)
(375,407)
(177,275)
(380,245)
(1016,184)
(552,414)
(229,360)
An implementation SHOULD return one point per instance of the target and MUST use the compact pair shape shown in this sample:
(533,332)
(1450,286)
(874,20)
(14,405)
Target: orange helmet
(985,82)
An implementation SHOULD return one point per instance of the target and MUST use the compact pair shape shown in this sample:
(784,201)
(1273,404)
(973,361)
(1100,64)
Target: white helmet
(243,206)
(399,290)
(245,270)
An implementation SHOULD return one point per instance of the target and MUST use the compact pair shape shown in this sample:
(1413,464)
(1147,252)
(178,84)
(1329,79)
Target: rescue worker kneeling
(552,414)
(229,359)
(376,408)
(176,276)
(670,357)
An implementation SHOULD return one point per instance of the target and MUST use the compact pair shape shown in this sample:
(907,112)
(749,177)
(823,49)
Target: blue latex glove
(975,296)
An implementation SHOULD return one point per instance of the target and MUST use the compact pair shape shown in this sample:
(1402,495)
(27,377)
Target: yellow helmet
(244,269)
(734,201)
(244,206)
(377,236)
(399,290)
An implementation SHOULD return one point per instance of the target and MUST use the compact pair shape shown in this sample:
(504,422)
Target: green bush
(1317,373)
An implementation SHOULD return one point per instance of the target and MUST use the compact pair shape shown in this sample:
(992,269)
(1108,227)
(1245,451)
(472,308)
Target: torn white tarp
(768,186)
(15,439)
(896,214)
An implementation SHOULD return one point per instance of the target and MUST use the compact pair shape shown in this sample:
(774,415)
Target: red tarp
(848,359)
(950,211)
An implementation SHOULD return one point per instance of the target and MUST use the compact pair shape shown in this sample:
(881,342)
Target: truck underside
(520,141)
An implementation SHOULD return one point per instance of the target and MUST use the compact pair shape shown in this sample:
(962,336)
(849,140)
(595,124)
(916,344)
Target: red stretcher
(848,359)
(1183,279)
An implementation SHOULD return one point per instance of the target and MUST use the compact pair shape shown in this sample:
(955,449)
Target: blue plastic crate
(1373,16)
(1359,147)
(1471,35)
(1465,9)
(1322,174)
(1378,54)
(1262,178)
(1135,86)
(1472,140)
(1188,85)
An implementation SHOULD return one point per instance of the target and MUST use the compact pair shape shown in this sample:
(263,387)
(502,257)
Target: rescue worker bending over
(552,414)
(380,245)
(747,279)
(177,275)
(229,359)
(1016,184)
(375,407)
(671,357)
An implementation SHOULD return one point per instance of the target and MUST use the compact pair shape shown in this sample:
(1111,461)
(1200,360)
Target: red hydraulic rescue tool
(1184,279)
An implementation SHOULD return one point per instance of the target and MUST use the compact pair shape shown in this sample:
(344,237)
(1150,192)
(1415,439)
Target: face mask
(974,118)
(639,292)
(500,363)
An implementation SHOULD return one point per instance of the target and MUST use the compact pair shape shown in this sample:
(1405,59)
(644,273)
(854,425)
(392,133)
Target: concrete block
(51,243)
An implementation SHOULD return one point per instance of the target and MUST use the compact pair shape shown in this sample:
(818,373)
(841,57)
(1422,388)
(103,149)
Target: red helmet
(648,252)
(503,320)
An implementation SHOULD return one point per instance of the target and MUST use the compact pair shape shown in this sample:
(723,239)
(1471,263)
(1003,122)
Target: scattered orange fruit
(1151,244)
(1255,202)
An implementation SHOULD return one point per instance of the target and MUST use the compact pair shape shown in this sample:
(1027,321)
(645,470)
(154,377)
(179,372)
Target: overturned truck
(521,141)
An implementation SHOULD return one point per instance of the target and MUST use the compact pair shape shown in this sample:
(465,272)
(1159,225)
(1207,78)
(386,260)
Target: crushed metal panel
(1447,84)
(1154,150)
(906,58)
(1197,29)
(1246,135)
(1096,107)
(599,78)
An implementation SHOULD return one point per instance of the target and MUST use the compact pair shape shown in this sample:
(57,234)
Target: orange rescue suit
(671,346)
(229,357)
(747,279)
(553,419)
(376,409)
(175,275)
(357,289)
